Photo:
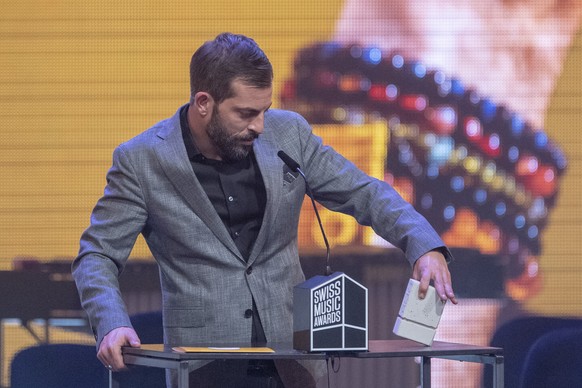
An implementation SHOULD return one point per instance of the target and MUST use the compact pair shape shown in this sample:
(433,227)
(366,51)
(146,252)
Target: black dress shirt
(236,190)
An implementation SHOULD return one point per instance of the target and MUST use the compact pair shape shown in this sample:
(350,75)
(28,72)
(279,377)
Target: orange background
(78,78)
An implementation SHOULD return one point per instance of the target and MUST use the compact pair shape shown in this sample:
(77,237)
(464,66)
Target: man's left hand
(433,266)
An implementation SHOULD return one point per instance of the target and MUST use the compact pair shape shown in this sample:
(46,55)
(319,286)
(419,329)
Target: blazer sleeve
(340,186)
(116,221)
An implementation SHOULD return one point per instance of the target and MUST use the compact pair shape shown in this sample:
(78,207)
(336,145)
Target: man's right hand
(110,348)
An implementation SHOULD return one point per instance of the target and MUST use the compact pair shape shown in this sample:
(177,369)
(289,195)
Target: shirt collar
(191,149)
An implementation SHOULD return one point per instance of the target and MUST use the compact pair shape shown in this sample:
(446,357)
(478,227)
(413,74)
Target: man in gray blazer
(219,211)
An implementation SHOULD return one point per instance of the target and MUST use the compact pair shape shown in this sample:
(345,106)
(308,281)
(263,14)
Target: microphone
(294,166)
(324,304)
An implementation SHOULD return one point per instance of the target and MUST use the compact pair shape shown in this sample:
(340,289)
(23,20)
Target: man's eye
(247,114)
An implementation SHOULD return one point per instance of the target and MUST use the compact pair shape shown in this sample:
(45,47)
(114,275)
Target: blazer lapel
(174,160)
(272,173)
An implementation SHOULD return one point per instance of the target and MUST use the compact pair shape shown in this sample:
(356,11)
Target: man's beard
(229,146)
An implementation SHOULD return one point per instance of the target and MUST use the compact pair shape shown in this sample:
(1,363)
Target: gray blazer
(206,284)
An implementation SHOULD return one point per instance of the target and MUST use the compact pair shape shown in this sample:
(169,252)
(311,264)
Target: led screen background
(78,78)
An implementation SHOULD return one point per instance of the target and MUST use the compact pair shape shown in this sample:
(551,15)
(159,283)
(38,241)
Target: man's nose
(258,124)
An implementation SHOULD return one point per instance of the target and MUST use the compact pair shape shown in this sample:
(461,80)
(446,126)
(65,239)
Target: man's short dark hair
(228,57)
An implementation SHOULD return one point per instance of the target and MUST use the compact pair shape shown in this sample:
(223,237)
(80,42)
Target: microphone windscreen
(293,165)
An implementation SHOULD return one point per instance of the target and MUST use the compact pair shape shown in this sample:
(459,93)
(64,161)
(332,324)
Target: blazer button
(249,270)
(248,313)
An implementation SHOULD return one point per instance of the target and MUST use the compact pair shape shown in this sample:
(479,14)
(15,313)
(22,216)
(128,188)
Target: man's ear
(203,103)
